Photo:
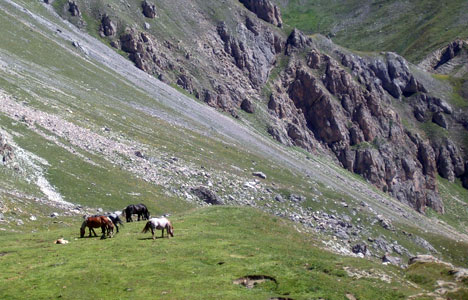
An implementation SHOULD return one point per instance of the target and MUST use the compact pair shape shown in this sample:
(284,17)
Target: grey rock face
(265,10)
(342,102)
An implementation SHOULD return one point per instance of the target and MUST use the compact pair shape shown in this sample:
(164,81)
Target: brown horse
(95,222)
(159,223)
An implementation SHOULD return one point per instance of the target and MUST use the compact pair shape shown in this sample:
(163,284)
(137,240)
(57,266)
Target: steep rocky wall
(326,98)
(346,103)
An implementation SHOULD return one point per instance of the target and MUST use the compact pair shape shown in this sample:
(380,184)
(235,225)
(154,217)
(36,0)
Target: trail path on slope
(199,115)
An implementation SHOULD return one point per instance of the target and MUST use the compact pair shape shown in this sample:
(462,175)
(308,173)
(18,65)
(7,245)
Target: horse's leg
(152,232)
(117,227)
(162,233)
(103,229)
(138,217)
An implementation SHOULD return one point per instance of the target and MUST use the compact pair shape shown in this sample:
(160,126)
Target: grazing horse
(139,209)
(95,222)
(115,220)
(159,223)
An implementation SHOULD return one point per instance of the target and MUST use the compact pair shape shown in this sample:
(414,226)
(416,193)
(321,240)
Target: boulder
(391,260)
(7,153)
(279,198)
(259,174)
(360,248)
(247,106)
(423,258)
(149,10)
(73,9)
(206,195)
(440,120)
(107,27)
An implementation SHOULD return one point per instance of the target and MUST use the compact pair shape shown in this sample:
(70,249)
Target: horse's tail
(170,229)
(147,227)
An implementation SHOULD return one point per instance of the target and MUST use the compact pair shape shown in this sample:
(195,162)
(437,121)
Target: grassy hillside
(410,28)
(80,124)
(212,247)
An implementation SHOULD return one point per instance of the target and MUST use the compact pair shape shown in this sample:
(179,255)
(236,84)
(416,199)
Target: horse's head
(147,214)
(82,229)
(170,229)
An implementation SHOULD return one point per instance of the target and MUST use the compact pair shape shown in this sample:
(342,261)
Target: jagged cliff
(321,97)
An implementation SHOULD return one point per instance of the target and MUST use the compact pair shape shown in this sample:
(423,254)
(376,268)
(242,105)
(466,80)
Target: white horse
(159,223)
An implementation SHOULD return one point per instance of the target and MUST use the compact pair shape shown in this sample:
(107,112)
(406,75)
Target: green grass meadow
(211,248)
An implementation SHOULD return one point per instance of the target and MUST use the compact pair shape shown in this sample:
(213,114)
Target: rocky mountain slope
(89,124)
(309,92)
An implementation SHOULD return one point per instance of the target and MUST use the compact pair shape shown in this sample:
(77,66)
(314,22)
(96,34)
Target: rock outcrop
(73,9)
(265,10)
(344,101)
(149,10)
(207,195)
(107,28)
(451,59)
(6,151)
(325,99)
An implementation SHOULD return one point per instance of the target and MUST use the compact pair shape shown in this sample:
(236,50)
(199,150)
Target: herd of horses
(109,221)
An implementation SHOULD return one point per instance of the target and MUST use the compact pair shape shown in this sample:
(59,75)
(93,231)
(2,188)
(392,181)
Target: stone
(440,120)
(259,174)
(423,258)
(54,215)
(423,243)
(391,260)
(341,234)
(149,10)
(247,106)
(360,248)
(279,198)
(207,195)
(73,9)
(107,28)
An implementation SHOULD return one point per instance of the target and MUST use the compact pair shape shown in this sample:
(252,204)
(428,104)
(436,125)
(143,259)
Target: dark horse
(95,222)
(115,220)
(139,209)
